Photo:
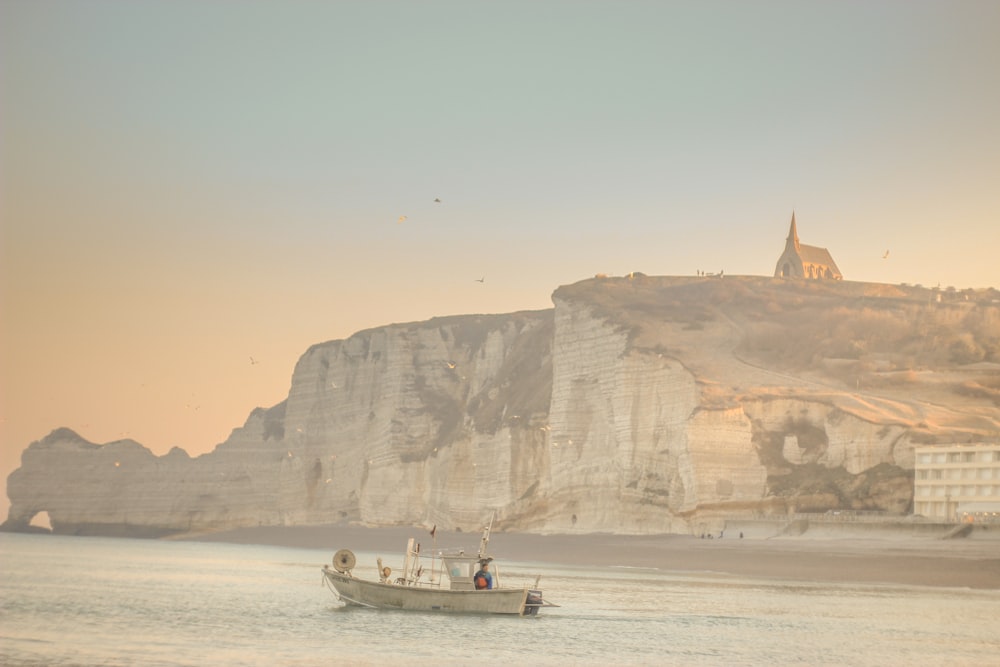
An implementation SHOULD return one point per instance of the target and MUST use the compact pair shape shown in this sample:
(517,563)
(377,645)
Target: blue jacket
(488,576)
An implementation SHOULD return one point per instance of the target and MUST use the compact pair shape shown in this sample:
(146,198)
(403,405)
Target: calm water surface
(97,601)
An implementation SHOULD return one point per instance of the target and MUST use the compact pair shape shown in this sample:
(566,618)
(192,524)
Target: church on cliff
(805,261)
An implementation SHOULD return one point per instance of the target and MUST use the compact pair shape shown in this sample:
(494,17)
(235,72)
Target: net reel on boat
(344,561)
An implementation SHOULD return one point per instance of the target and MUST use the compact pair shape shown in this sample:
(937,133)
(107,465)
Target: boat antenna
(486,536)
(434,558)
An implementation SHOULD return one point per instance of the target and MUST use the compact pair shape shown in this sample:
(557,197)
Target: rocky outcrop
(636,405)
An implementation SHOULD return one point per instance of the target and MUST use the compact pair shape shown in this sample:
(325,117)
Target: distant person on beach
(484,578)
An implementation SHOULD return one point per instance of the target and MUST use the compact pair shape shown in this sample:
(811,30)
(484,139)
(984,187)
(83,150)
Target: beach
(870,557)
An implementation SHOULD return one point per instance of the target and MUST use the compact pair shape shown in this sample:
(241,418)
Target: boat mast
(486,536)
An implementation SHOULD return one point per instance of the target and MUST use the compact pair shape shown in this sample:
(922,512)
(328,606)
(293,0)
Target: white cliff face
(386,426)
(725,464)
(631,448)
(122,488)
(618,435)
(819,432)
(580,419)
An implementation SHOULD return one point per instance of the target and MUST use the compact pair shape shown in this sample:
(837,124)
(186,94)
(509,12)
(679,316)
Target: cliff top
(904,352)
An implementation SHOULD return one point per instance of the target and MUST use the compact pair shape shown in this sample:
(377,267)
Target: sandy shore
(918,561)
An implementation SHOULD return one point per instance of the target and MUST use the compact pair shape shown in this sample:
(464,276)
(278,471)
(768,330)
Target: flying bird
(253,362)
(885,255)
(481,280)
(437,201)
(402,218)
(451,364)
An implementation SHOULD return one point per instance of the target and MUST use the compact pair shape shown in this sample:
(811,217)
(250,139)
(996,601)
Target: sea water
(102,601)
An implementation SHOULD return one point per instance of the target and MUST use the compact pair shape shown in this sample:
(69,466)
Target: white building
(957,482)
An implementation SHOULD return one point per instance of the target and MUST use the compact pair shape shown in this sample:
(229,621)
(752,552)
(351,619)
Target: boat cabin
(461,570)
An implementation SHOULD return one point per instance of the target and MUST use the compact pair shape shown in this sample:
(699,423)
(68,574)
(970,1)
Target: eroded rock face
(630,407)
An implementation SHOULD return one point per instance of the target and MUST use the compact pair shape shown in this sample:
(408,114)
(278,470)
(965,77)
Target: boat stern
(533,602)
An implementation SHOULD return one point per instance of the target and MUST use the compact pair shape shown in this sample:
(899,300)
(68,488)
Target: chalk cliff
(636,405)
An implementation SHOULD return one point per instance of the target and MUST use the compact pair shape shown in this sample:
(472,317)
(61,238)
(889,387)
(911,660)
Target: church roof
(814,255)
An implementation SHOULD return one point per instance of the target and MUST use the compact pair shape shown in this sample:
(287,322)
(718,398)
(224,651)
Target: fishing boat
(442,582)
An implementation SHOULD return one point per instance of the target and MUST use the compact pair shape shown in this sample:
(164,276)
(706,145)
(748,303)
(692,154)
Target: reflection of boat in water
(445,583)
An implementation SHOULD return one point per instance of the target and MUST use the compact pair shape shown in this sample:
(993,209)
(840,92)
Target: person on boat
(484,578)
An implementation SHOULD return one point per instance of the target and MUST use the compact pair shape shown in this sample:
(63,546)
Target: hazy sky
(186,185)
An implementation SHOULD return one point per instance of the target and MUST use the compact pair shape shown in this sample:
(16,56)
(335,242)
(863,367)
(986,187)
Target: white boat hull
(515,601)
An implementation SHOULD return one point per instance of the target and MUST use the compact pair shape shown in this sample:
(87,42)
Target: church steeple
(805,261)
(793,235)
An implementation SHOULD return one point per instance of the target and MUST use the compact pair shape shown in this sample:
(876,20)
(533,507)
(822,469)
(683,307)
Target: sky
(193,193)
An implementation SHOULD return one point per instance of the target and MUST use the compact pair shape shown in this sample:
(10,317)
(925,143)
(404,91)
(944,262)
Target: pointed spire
(793,234)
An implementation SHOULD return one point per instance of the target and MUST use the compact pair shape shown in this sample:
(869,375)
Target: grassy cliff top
(930,356)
